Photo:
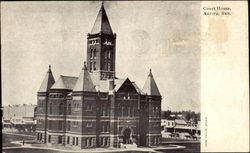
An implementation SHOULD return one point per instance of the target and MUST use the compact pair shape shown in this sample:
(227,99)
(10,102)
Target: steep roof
(137,88)
(102,23)
(65,82)
(48,81)
(84,81)
(150,87)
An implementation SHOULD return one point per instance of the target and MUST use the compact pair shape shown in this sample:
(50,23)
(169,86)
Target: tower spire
(102,24)
(150,86)
(49,68)
(48,81)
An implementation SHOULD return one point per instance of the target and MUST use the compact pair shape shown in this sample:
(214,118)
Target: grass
(7,138)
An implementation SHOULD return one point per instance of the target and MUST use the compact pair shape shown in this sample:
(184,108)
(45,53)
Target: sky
(161,35)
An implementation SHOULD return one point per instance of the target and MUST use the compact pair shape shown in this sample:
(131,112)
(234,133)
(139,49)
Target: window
(109,66)
(88,142)
(49,139)
(101,142)
(41,136)
(68,126)
(120,110)
(105,55)
(94,53)
(69,109)
(89,107)
(90,66)
(59,139)
(125,111)
(109,54)
(50,108)
(75,123)
(89,124)
(61,110)
(131,111)
(60,125)
(68,139)
(50,124)
(94,66)
(155,140)
(106,141)
(105,65)
(91,53)
(105,126)
(156,111)
(73,142)
(105,110)
(76,141)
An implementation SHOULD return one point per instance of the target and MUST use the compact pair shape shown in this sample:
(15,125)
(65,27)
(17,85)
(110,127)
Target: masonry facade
(97,109)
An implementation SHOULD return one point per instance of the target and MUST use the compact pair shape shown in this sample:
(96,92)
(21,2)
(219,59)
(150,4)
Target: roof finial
(49,69)
(85,66)
(150,72)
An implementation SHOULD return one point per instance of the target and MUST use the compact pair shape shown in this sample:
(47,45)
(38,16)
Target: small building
(23,123)
(181,129)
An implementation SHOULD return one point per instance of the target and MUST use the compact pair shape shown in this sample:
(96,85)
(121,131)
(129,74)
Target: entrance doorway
(127,136)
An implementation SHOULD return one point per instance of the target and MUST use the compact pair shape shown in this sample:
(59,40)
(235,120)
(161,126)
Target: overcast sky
(161,35)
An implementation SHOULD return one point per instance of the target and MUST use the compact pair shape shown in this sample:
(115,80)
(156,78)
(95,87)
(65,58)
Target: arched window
(50,108)
(69,109)
(61,109)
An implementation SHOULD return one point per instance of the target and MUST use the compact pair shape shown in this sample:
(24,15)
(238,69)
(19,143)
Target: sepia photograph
(101,76)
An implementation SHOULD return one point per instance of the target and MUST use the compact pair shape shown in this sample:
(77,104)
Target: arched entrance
(127,136)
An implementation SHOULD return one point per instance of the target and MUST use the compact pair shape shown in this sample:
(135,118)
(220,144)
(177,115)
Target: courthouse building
(98,109)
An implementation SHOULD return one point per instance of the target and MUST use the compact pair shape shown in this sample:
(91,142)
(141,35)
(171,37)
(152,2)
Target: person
(23,142)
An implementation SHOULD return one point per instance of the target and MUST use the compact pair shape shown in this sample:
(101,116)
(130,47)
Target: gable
(127,86)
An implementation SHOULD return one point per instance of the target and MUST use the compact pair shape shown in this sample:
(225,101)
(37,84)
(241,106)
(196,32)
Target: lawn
(7,138)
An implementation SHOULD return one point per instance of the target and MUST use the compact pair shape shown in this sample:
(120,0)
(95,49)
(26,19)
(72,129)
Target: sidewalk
(97,150)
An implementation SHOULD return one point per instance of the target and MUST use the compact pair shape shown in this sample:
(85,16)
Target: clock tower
(101,48)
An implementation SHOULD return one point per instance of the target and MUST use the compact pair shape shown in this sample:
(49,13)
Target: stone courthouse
(97,109)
